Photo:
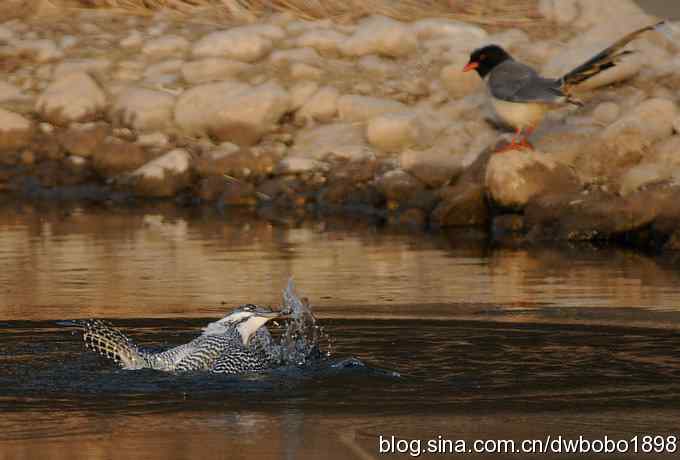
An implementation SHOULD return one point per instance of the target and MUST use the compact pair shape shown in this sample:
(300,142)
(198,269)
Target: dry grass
(502,13)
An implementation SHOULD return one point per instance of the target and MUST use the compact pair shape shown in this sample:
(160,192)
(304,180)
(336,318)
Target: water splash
(303,341)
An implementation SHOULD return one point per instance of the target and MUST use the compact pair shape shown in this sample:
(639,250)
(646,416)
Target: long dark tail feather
(603,60)
(108,341)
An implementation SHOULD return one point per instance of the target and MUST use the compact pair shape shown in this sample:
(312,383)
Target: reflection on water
(486,342)
(82,262)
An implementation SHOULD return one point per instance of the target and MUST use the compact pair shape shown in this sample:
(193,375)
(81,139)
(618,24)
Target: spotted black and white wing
(240,361)
(205,351)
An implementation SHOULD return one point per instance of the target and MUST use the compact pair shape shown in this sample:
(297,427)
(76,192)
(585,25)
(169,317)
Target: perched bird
(235,344)
(521,97)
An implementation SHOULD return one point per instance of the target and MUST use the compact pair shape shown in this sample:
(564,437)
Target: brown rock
(83,140)
(115,156)
(229,192)
(435,167)
(462,205)
(16,131)
(594,215)
(354,171)
(413,217)
(514,177)
(508,224)
(238,163)
(285,190)
(164,176)
(46,146)
(399,186)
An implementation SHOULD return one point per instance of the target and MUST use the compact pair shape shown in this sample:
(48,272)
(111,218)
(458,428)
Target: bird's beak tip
(470,66)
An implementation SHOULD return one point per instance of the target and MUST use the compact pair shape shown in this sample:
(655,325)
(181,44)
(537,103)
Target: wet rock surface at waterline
(371,117)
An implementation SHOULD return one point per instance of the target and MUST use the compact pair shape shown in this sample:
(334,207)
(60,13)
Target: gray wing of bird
(513,81)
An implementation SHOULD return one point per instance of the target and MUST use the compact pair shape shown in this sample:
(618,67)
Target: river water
(458,339)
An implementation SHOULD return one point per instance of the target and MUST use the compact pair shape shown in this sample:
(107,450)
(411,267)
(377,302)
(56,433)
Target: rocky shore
(372,117)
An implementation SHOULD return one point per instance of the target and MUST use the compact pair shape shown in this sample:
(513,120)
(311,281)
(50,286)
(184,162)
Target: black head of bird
(484,59)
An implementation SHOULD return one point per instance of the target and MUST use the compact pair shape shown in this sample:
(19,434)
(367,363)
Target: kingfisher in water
(235,344)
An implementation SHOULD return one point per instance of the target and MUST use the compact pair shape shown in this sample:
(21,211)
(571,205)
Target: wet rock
(73,97)
(399,186)
(465,203)
(143,109)
(320,141)
(338,192)
(164,176)
(647,123)
(513,178)
(593,215)
(237,43)
(239,163)
(355,108)
(434,167)
(114,157)
(380,35)
(321,106)
(413,218)
(508,223)
(462,205)
(77,165)
(212,69)
(361,170)
(228,192)
(284,191)
(83,140)
(45,146)
(394,132)
(231,111)
(16,131)
(73,171)
(165,46)
(606,113)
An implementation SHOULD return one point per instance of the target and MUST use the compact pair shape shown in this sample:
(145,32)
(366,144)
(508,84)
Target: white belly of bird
(519,114)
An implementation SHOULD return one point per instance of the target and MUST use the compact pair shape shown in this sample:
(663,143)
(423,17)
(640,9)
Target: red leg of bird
(513,144)
(525,140)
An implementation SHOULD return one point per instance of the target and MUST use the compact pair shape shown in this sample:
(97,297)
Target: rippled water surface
(448,336)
